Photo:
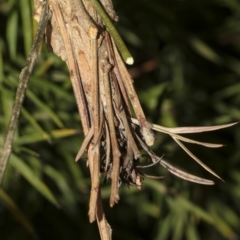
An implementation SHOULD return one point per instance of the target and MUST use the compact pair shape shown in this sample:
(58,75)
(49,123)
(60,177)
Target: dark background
(186,72)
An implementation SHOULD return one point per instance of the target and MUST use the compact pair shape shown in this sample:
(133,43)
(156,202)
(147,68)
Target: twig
(21,90)
(95,111)
(85,143)
(103,226)
(114,143)
(145,126)
(113,61)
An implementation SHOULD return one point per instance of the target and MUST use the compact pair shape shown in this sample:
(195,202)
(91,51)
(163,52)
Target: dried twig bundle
(105,98)
(115,127)
(105,94)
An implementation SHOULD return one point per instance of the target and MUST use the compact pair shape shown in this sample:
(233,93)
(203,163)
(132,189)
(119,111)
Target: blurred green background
(187,71)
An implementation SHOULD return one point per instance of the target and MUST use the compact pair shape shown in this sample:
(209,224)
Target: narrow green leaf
(1,62)
(205,51)
(178,224)
(227,213)
(154,92)
(199,212)
(227,92)
(150,209)
(156,185)
(61,181)
(49,86)
(33,179)
(164,229)
(231,110)
(35,124)
(45,107)
(75,171)
(223,227)
(7,103)
(36,137)
(38,103)
(191,232)
(25,9)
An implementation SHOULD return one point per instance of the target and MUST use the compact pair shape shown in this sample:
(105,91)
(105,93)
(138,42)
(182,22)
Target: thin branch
(103,226)
(114,143)
(21,90)
(95,112)
(145,126)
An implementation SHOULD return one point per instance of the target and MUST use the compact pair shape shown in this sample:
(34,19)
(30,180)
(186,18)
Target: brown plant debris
(117,134)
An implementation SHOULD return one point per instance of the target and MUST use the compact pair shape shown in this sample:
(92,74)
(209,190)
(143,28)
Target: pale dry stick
(95,119)
(112,60)
(122,115)
(85,143)
(101,116)
(128,159)
(114,197)
(103,226)
(132,149)
(120,110)
(72,65)
(122,89)
(108,146)
(21,90)
(145,126)
(95,84)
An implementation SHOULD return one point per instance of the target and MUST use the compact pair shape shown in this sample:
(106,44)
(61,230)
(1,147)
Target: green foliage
(195,81)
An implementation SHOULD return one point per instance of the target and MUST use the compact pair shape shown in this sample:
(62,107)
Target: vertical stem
(103,226)
(96,117)
(21,90)
(145,126)
(113,137)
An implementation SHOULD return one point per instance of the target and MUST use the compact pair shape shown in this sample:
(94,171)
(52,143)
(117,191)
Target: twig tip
(129,60)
